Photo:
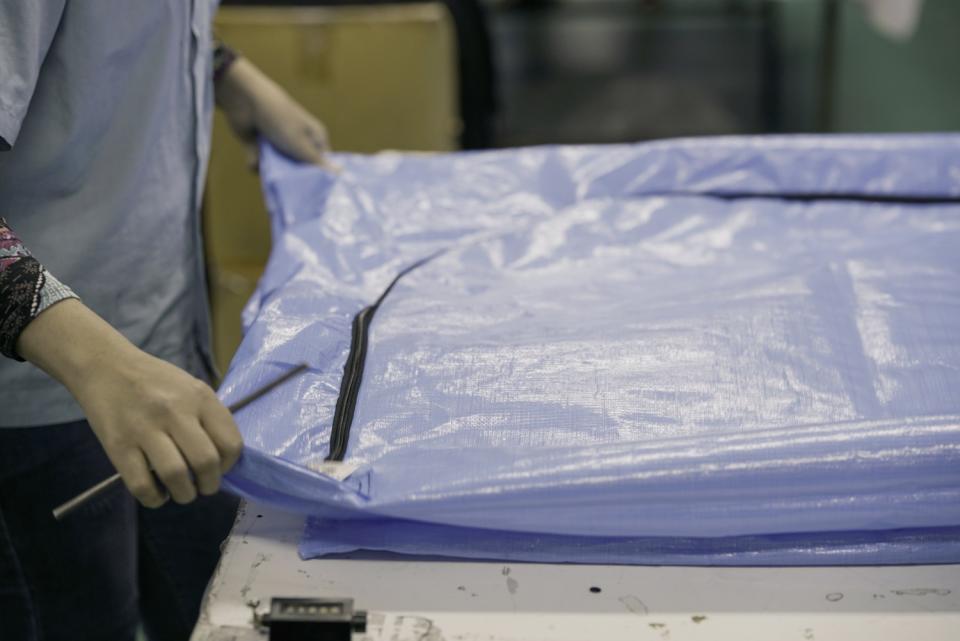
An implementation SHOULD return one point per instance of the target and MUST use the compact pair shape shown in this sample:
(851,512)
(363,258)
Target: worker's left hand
(256,106)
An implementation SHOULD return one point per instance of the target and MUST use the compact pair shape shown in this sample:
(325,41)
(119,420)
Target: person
(104,134)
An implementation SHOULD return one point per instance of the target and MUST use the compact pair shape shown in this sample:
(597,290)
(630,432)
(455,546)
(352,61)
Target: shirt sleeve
(26,289)
(27,28)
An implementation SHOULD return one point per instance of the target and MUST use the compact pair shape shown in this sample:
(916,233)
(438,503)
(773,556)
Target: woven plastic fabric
(718,351)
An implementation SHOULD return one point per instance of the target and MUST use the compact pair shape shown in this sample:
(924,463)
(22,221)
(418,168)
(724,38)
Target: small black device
(306,619)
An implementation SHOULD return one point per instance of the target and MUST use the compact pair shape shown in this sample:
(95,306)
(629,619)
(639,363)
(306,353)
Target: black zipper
(350,385)
(353,369)
(893,199)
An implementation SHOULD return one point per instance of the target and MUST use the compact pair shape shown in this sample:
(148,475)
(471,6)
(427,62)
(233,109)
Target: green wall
(882,85)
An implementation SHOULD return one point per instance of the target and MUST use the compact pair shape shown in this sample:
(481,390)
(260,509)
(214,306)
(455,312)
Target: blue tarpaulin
(737,350)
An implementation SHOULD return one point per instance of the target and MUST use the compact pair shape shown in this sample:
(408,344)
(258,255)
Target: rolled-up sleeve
(26,289)
(27,28)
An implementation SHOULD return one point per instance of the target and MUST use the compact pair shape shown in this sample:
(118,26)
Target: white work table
(427,600)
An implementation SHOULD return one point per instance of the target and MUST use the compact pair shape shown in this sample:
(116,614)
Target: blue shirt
(105,112)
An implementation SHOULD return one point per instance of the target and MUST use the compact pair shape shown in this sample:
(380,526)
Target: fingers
(201,456)
(302,148)
(150,415)
(136,475)
(316,138)
(299,136)
(330,166)
(220,427)
(187,457)
(169,464)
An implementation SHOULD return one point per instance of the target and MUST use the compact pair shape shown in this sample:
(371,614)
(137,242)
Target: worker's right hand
(147,413)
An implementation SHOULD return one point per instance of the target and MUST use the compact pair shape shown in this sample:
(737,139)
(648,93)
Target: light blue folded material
(712,351)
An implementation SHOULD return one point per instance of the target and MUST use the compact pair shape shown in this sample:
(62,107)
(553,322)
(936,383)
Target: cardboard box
(379,77)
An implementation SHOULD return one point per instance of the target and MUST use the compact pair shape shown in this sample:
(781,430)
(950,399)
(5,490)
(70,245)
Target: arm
(146,413)
(257,106)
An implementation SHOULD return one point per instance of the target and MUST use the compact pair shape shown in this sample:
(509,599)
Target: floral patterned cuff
(223,57)
(26,289)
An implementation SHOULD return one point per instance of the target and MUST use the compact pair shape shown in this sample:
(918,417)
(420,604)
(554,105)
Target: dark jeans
(107,567)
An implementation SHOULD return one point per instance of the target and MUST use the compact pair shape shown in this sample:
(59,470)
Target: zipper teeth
(353,369)
(350,386)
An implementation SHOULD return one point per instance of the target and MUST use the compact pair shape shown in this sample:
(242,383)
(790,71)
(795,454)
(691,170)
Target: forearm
(229,91)
(256,106)
(233,95)
(43,322)
(71,343)
(146,413)
(242,91)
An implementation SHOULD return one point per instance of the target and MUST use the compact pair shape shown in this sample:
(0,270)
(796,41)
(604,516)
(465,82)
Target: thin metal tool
(63,510)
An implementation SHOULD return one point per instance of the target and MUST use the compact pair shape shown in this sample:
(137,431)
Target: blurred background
(475,74)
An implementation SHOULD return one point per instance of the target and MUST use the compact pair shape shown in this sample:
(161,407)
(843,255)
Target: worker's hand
(147,413)
(257,106)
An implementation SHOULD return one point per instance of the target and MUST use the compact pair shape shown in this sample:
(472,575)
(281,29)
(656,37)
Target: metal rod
(80,499)
(61,511)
